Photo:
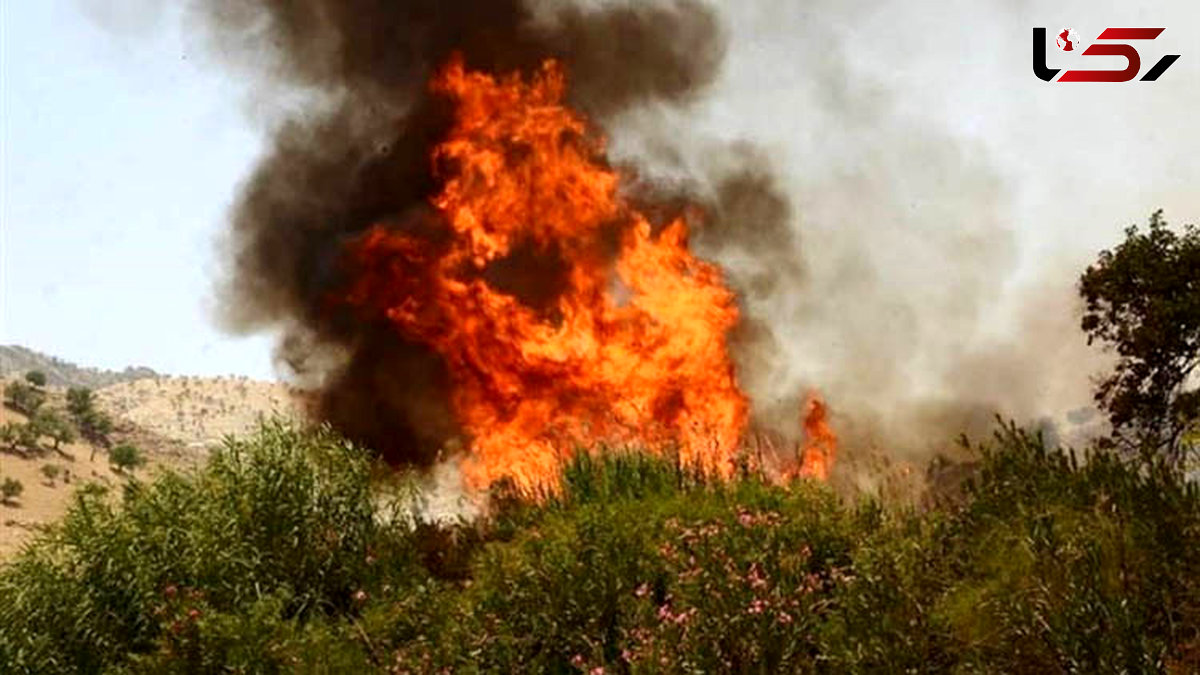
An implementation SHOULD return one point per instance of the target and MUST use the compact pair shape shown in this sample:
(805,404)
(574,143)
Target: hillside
(15,360)
(196,412)
(173,420)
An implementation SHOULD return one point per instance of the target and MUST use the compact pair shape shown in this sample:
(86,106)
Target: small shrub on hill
(10,489)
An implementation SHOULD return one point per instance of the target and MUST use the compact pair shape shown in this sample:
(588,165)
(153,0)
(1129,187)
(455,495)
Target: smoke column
(354,152)
(875,287)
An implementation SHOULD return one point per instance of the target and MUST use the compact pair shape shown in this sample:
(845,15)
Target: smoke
(894,279)
(873,271)
(355,125)
(914,309)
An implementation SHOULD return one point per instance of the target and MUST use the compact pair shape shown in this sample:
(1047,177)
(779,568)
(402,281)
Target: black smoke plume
(356,153)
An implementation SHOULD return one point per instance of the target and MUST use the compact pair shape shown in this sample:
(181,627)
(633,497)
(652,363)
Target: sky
(124,145)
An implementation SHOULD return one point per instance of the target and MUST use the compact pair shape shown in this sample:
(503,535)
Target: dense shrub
(283,517)
(275,557)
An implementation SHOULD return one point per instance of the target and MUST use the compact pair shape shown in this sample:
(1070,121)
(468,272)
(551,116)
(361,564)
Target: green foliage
(276,556)
(10,489)
(95,426)
(10,435)
(23,397)
(126,457)
(282,517)
(1143,301)
(36,377)
(51,471)
(81,403)
(20,437)
(50,423)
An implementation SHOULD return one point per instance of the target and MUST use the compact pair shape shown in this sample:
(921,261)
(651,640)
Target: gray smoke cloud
(893,278)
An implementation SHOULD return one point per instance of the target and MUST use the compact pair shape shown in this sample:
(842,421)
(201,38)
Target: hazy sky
(124,145)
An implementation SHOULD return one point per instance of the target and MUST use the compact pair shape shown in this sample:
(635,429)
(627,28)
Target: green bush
(126,457)
(10,489)
(23,397)
(51,472)
(283,514)
(276,557)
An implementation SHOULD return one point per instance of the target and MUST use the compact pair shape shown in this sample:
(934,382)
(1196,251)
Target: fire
(630,347)
(820,442)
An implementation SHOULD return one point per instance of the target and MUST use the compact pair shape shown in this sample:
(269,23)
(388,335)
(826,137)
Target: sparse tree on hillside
(36,377)
(95,426)
(9,435)
(81,402)
(20,437)
(50,423)
(1143,301)
(10,489)
(24,397)
(126,457)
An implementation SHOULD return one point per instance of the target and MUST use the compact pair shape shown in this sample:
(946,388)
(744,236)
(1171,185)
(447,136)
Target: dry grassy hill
(173,420)
(195,412)
(16,360)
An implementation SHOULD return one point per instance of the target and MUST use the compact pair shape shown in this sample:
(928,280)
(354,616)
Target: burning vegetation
(454,231)
(630,347)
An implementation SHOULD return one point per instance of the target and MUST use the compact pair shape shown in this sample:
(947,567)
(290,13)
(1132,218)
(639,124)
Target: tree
(1143,301)
(22,437)
(36,377)
(50,423)
(9,436)
(126,457)
(23,397)
(80,403)
(10,489)
(95,426)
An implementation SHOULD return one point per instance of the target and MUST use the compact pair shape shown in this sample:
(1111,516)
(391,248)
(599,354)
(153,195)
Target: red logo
(1068,41)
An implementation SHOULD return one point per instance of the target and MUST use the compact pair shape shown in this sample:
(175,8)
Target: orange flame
(820,442)
(632,347)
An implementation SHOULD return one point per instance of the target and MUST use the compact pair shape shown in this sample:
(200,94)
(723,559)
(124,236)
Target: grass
(273,558)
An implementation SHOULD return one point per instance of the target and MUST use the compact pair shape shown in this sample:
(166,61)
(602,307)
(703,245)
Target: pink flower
(598,670)
(755,576)
(785,618)
(577,660)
